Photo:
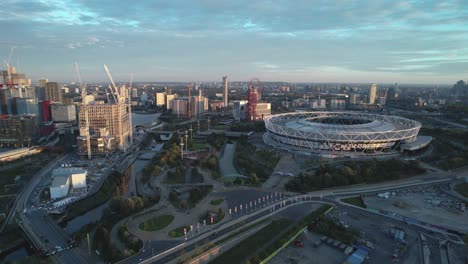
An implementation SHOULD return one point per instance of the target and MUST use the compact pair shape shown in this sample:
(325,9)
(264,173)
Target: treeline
(370,171)
(257,126)
(118,209)
(216,140)
(212,164)
(257,164)
(195,195)
(170,157)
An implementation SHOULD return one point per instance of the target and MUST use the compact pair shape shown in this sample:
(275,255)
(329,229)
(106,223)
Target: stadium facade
(343,134)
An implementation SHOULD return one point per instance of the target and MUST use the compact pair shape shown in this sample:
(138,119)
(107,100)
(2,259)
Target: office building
(63,113)
(373,93)
(18,131)
(179,107)
(26,106)
(45,114)
(160,99)
(53,92)
(169,98)
(239,109)
(199,104)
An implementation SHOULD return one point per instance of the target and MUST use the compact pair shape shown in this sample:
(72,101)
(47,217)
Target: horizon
(365,42)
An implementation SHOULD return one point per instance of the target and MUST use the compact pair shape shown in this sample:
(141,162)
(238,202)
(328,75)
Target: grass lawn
(178,232)
(198,145)
(217,201)
(462,189)
(357,201)
(249,246)
(156,223)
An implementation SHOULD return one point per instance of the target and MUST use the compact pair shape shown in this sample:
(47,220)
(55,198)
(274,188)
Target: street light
(209,123)
(186,140)
(182,150)
(191,129)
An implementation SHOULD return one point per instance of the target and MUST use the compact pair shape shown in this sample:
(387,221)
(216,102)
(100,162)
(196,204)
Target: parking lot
(309,254)
(427,204)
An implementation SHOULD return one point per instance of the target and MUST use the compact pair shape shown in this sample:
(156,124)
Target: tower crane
(7,64)
(129,105)
(85,108)
(119,102)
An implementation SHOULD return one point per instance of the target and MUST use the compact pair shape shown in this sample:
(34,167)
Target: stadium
(343,134)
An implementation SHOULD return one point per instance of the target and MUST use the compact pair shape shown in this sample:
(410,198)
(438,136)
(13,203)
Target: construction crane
(7,64)
(116,91)
(189,109)
(85,108)
(129,105)
(119,101)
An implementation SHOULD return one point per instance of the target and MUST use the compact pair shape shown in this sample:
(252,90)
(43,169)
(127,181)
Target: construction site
(104,126)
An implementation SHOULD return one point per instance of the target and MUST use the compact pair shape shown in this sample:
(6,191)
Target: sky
(349,41)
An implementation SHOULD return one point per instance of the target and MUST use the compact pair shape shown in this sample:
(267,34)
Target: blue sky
(284,40)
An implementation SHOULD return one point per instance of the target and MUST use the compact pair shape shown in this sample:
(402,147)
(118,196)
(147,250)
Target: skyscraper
(372,93)
(225,93)
(53,92)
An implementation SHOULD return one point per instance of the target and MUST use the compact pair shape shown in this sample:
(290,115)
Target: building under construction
(105,126)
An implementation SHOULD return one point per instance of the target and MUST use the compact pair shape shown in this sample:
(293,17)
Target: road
(328,196)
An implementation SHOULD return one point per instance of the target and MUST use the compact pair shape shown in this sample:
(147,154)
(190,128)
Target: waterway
(19,254)
(141,119)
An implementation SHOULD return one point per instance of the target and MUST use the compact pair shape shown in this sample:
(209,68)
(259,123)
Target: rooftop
(59,180)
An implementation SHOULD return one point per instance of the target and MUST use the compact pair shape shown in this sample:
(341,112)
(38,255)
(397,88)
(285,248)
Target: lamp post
(209,123)
(186,140)
(182,149)
(191,129)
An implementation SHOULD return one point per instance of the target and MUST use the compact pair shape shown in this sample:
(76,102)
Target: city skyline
(365,42)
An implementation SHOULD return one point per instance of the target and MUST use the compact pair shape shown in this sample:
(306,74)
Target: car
(298,244)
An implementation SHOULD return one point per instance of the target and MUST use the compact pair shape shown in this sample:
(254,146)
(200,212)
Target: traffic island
(179,232)
(156,223)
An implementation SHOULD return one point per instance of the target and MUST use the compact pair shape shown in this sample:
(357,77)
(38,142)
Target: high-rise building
(105,121)
(18,131)
(134,92)
(160,99)
(179,106)
(239,109)
(63,113)
(353,99)
(226,91)
(42,82)
(45,114)
(372,93)
(26,106)
(53,92)
(169,98)
(199,104)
